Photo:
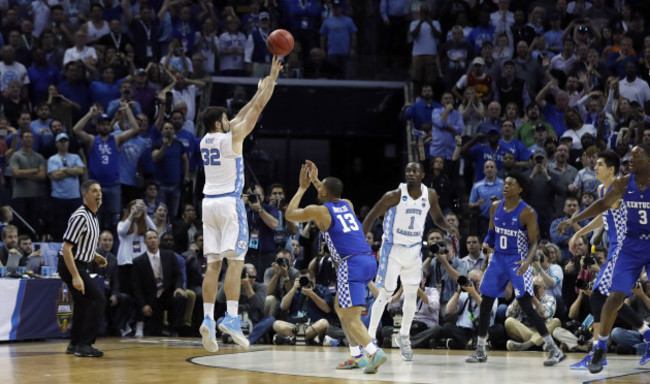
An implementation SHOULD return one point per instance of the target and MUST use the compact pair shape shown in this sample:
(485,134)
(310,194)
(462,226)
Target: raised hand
(303,180)
(313,170)
(276,67)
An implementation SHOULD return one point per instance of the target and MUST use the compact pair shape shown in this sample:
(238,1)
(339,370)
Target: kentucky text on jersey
(507,232)
(638,204)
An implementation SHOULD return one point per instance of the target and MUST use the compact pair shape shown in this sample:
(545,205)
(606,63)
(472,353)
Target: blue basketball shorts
(352,277)
(501,270)
(632,257)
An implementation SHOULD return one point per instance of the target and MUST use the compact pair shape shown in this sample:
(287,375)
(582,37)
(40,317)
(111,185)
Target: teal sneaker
(374,361)
(232,326)
(207,335)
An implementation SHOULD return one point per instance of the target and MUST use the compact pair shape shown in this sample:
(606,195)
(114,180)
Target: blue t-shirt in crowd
(68,187)
(79,93)
(130,153)
(104,162)
(42,131)
(338,30)
(482,153)
(104,92)
(189,143)
(555,117)
(169,170)
(485,190)
(40,80)
(146,161)
(420,112)
(515,147)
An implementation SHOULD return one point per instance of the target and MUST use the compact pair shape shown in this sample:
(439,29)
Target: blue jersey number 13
(346,219)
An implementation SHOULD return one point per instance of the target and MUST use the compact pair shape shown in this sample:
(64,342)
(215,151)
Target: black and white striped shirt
(83,233)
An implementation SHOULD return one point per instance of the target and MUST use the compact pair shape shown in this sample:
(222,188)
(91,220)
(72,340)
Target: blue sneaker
(646,356)
(374,361)
(232,326)
(584,363)
(207,335)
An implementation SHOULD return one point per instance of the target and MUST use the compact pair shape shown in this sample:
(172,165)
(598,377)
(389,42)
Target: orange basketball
(280,42)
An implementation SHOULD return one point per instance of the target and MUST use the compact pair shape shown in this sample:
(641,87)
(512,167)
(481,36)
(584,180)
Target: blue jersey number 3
(211,157)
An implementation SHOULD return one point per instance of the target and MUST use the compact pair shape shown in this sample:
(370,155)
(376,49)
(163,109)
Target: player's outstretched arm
(438,218)
(244,110)
(528,219)
(310,212)
(390,199)
(594,224)
(247,122)
(619,187)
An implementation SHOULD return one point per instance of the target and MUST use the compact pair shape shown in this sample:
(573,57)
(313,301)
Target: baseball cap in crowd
(264,15)
(104,117)
(540,127)
(492,128)
(478,61)
(62,136)
(539,152)
(140,71)
(509,62)
(626,159)
(336,3)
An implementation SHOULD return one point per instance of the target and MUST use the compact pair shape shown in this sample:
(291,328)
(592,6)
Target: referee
(79,244)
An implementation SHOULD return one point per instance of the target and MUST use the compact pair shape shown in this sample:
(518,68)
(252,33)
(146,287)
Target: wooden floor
(183,360)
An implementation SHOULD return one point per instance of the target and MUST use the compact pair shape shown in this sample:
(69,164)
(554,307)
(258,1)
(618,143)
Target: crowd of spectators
(113,91)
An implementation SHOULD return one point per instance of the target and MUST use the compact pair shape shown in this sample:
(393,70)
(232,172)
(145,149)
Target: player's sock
(480,341)
(645,331)
(548,339)
(356,351)
(232,308)
(208,310)
(371,349)
(602,342)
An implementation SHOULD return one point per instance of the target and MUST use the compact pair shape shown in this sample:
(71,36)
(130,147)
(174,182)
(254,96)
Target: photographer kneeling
(520,329)
(309,306)
(251,304)
(465,302)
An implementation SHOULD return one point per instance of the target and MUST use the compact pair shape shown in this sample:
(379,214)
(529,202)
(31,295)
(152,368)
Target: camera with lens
(589,261)
(280,201)
(463,281)
(439,247)
(583,284)
(304,282)
(244,274)
(252,198)
(539,257)
(280,261)
(584,335)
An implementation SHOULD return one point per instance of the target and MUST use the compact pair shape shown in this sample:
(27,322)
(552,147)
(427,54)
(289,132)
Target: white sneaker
(139,330)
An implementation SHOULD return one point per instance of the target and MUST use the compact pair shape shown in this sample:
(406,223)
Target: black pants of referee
(88,308)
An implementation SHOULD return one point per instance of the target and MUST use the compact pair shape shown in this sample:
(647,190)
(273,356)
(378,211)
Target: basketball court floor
(183,360)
